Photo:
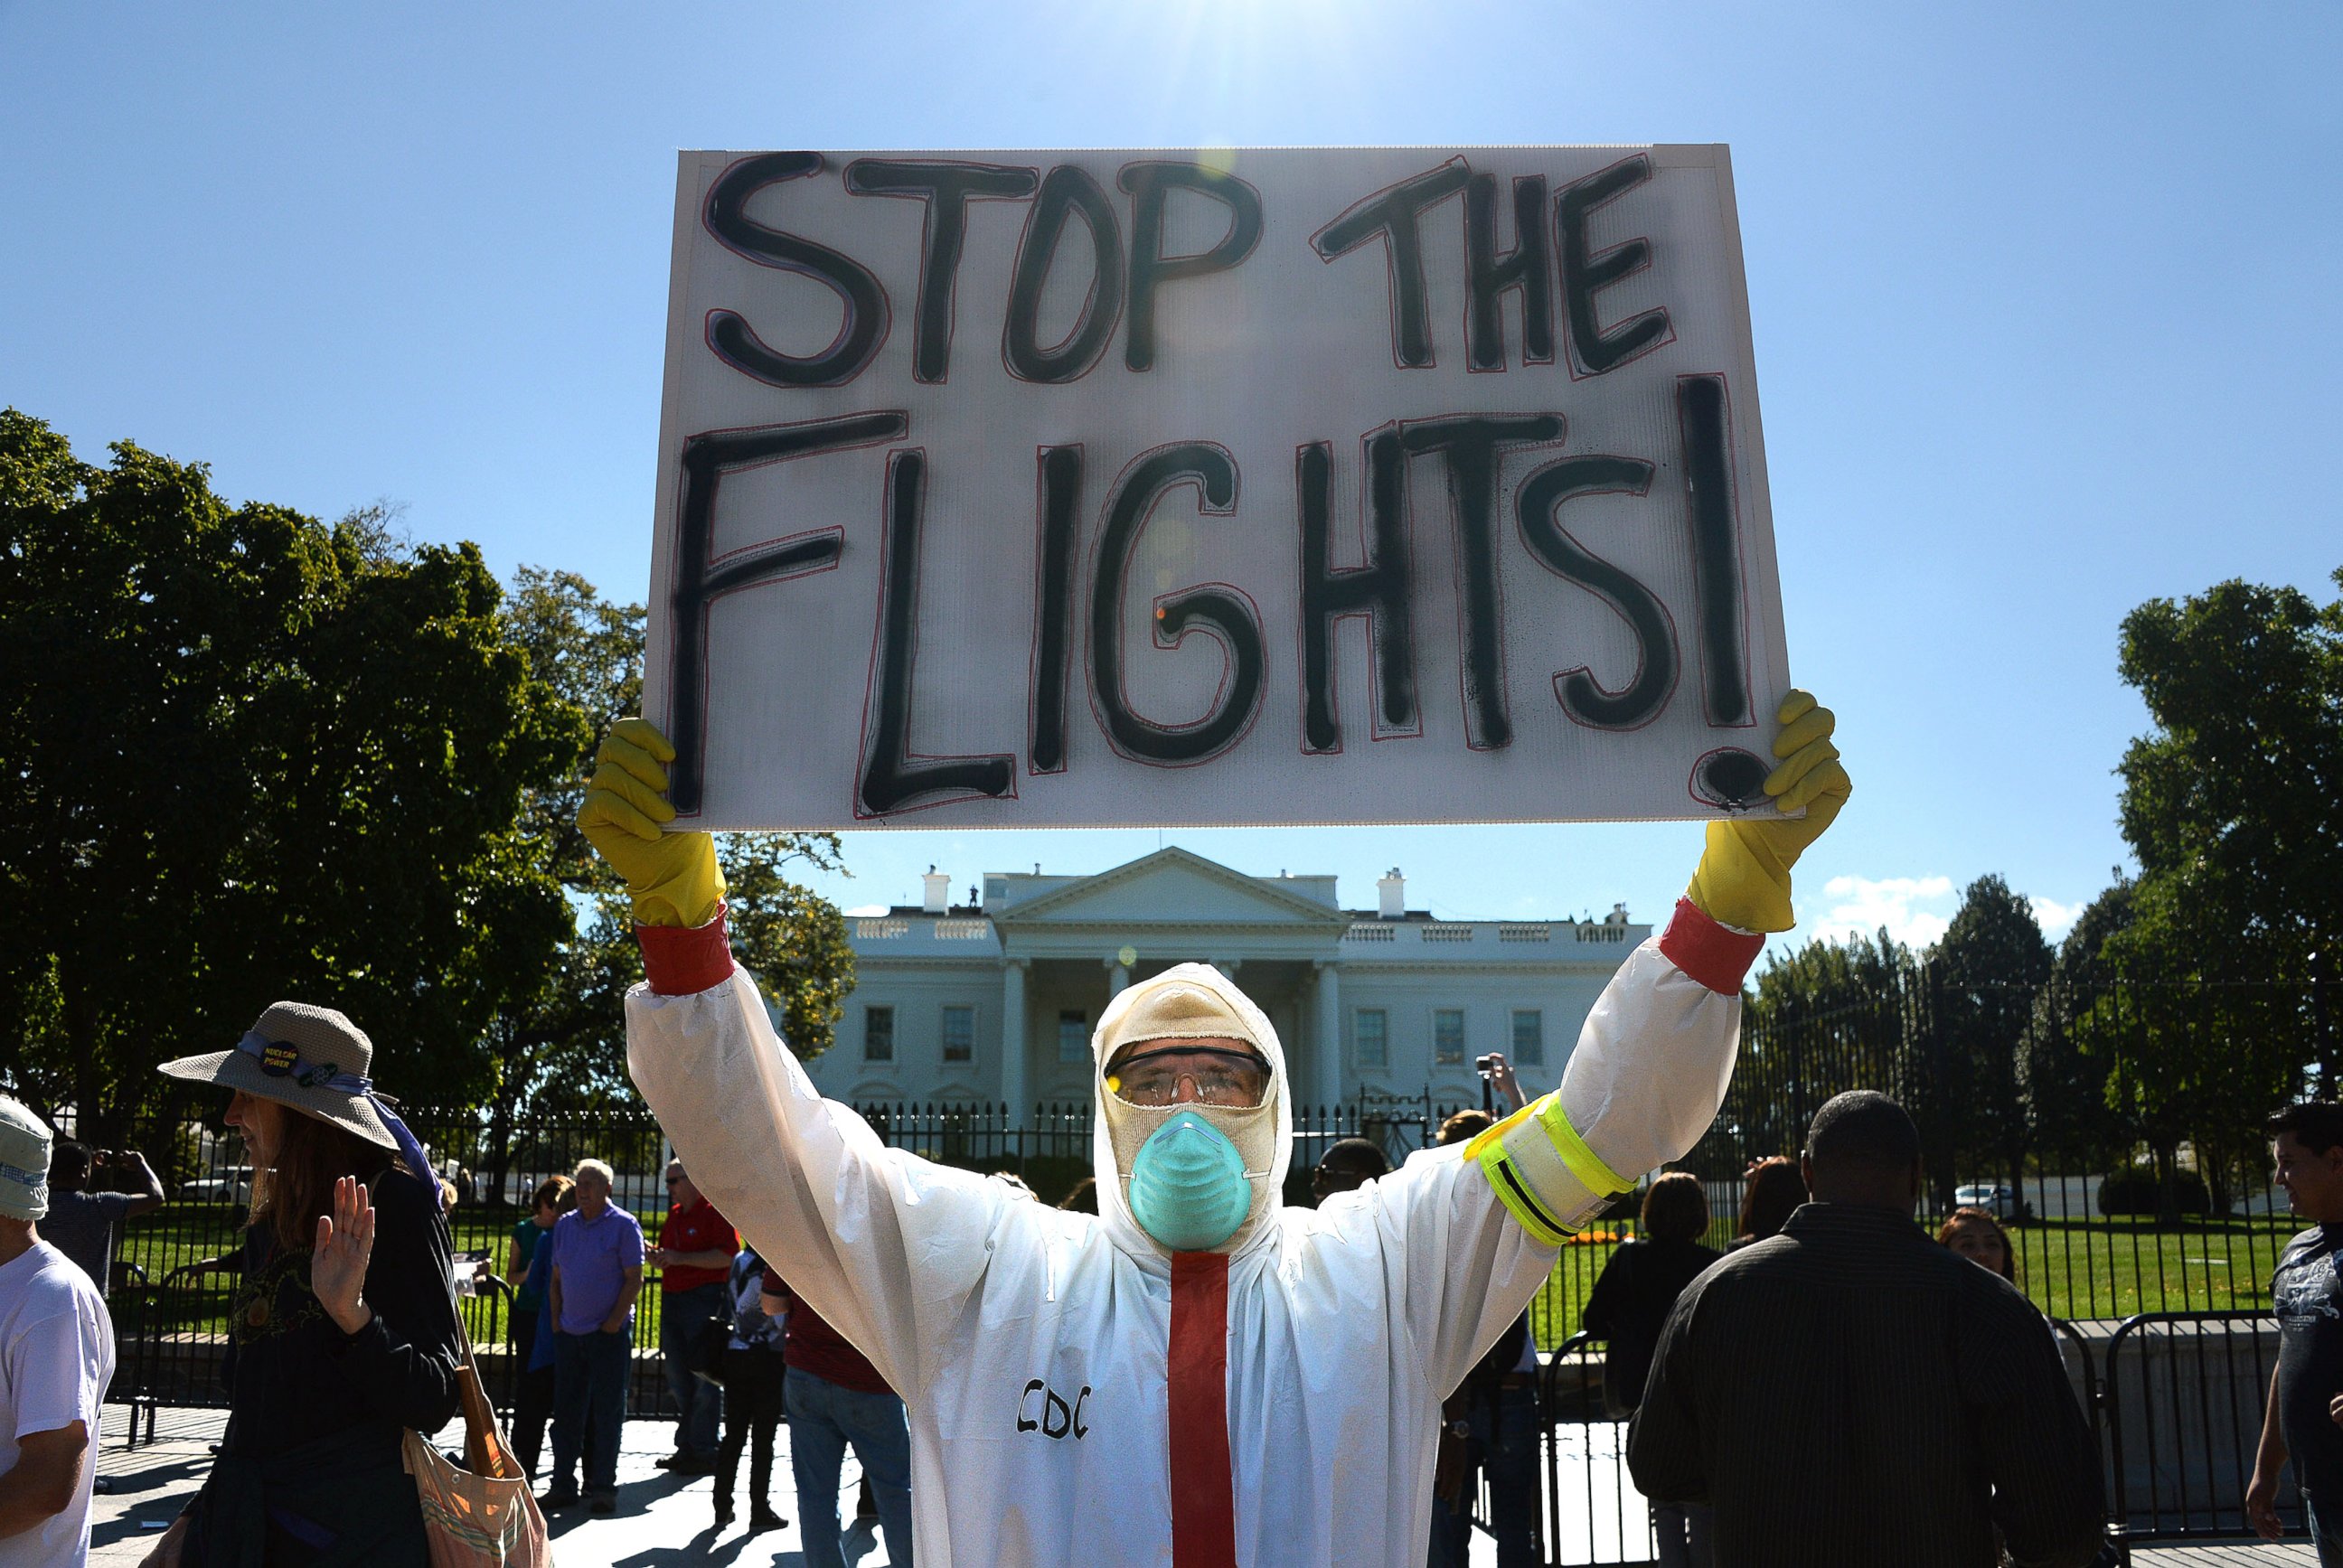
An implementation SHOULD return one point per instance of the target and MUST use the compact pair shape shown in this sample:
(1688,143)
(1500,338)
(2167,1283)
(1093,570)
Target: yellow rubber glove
(672,878)
(1745,873)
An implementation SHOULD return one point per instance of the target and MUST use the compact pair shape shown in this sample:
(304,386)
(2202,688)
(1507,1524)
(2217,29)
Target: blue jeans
(2330,1547)
(1504,1447)
(823,1419)
(589,1393)
(683,1316)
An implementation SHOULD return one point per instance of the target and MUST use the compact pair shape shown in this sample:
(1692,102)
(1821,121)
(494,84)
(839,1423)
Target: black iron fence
(2113,1127)
(2175,1401)
(176,1268)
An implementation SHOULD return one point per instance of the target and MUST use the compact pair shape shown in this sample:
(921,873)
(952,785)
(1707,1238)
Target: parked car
(231,1184)
(2003,1202)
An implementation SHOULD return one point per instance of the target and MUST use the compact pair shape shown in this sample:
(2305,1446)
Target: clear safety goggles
(1233,1079)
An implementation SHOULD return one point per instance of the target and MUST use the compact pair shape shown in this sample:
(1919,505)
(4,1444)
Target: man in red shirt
(694,1257)
(835,1397)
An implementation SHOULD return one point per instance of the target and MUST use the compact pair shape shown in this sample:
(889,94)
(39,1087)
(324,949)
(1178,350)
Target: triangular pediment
(1170,887)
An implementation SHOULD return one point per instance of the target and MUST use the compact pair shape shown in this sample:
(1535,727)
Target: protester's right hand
(672,878)
(2261,1506)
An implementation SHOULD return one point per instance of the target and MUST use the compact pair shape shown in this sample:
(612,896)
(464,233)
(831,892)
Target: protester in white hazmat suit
(1197,1375)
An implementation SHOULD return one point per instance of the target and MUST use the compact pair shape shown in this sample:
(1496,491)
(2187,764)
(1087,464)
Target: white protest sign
(1289,485)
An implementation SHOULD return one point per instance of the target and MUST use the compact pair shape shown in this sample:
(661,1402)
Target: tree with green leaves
(2228,953)
(1830,1017)
(2062,1073)
(247,755)
(2231,804)
(1984,975)
(561,1046)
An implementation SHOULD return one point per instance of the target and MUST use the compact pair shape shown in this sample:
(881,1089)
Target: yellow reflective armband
(1543,1171)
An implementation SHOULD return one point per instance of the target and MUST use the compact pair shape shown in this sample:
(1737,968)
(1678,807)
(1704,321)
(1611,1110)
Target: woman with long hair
(1772,1188)
(1977,1236)
(343,1331)
(1630,1302)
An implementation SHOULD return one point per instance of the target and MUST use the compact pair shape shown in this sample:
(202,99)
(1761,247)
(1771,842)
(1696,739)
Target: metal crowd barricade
(2181,1412)
(178,1354)
(1594,1516)
(488,1319)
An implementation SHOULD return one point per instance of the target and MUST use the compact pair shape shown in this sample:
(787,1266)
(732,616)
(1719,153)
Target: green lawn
(181,1233)
(2072,1269)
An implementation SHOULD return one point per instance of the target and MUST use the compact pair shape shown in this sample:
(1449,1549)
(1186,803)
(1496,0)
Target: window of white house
(1529,1037)
(1073,1036)
(1448,1034)
(1371,1037)
(877,1034)
(960,1034)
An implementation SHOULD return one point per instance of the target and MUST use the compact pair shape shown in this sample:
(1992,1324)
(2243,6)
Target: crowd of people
(1228,1378)
(1828,1379)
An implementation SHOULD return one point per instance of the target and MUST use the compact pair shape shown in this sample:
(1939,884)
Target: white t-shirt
(56,1356)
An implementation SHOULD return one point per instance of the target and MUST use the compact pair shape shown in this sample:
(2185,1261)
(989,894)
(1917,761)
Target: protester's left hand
(338,1264)
(1745,874)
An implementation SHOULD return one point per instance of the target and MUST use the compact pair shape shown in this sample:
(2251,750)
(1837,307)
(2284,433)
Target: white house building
(1370,1004)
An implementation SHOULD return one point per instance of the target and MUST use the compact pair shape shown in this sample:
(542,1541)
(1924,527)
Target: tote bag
(482,1516)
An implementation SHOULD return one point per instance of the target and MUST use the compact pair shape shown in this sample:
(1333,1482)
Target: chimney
(937,888)
(1391,896)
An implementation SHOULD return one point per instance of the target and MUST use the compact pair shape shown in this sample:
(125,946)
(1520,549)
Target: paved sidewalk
(663,1519)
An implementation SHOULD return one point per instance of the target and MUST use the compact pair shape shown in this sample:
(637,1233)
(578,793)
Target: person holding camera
(81,1224)
(1489,1425)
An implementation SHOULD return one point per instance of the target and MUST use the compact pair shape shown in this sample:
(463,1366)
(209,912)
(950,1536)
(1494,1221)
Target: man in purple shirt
(598,1272)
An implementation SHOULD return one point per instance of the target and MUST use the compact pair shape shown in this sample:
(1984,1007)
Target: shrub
(2134,1192)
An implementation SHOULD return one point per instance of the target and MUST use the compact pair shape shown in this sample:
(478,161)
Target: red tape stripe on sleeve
(683,961)
(1715,955)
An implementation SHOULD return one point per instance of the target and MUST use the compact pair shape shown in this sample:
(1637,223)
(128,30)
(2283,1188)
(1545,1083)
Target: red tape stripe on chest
(1203,1491)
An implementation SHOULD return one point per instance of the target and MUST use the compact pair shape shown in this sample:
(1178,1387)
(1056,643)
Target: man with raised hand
(1196,1367)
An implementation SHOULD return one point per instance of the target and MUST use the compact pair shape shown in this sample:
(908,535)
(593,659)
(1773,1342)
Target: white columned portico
(1013,1036)
(1328,1015)
(1118,978)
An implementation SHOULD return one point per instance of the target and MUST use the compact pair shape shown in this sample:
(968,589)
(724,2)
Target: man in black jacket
(1850,1392)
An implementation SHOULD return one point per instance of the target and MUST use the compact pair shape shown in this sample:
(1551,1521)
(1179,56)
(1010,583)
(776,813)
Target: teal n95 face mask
(1188,1187)
(1187,1176)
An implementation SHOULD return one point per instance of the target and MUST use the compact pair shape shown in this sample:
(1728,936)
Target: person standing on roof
(1198,1374)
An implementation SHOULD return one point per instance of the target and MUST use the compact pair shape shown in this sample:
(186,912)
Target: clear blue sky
(2046,301)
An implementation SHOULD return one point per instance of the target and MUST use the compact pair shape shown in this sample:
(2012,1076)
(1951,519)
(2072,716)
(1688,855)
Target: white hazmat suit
(1077,1394)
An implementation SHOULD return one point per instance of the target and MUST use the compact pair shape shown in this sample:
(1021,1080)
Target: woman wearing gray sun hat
(342,1331)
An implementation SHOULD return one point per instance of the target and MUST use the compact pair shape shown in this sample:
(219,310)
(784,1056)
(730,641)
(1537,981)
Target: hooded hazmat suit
(1077,1394)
